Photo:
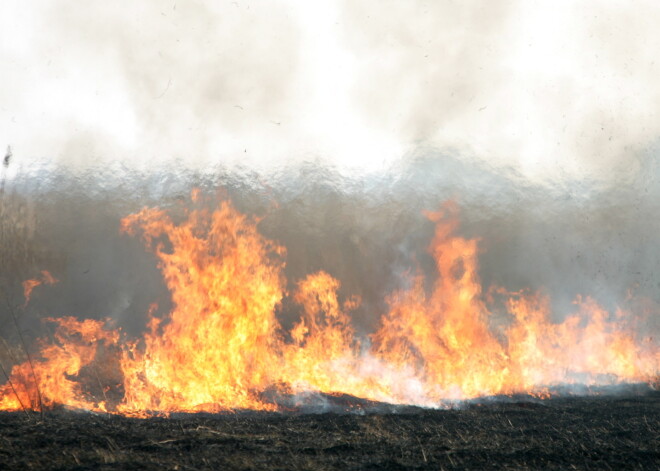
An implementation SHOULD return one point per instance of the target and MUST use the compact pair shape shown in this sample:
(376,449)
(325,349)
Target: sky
(551,89)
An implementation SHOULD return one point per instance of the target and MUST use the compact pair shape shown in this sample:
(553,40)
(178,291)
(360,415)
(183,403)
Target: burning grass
(222,346)
(276,398)
(518,433)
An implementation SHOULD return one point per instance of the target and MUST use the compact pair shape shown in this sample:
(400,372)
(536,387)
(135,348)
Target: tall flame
(218,347)
(445,334)
(222,347)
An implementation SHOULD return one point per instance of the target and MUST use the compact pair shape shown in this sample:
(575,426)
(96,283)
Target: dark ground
(563,433)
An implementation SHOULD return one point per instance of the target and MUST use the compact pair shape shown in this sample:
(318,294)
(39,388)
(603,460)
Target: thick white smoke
(554,90)
(538,117)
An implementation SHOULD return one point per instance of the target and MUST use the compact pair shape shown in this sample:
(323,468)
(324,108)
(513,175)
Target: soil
(513,433)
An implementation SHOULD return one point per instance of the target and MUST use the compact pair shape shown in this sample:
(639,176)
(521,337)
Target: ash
(608,432)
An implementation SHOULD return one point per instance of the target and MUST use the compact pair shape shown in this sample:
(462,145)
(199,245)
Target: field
(505,433)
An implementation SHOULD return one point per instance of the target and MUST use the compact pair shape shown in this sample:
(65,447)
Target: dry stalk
(422,448)
(11,385)
(27,354)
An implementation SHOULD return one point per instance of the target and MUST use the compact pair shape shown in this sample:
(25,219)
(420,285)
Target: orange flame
(217,348)
(76,344)
(29,285)
(222,346)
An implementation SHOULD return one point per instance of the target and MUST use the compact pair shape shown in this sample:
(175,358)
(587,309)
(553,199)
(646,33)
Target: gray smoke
(578,239)
(538,118)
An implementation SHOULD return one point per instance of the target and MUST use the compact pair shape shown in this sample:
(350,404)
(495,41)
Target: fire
(323,337)
(445,334)
(29,285)
(222,346)
(49,380)
(218,348)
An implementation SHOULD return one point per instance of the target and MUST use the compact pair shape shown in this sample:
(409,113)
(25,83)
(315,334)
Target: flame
(445,334)
(29,285)
(222,347)
(50,379)
(323,336)
(218,347)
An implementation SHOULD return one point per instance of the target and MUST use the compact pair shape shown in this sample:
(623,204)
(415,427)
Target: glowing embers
(222,346)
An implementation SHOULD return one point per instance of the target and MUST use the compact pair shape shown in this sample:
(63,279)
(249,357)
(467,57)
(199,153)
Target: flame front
(222,347)
(219,347)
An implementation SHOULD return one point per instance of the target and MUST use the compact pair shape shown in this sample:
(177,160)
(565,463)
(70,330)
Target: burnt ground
(563,433)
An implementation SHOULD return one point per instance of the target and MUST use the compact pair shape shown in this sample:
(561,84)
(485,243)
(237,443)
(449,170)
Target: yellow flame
(222,347)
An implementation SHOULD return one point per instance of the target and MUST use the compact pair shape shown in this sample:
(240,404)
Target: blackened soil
(567,433)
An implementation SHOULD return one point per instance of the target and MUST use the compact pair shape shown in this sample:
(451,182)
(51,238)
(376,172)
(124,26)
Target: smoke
(338,124)
(370,234)
(554,90)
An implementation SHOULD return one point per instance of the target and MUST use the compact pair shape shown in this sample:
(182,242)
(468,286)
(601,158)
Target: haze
(554,90)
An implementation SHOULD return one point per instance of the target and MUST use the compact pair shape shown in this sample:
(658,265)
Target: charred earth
(598,432)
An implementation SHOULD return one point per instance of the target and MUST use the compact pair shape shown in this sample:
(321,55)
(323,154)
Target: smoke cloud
(338,124)
(554,90)
(370,234)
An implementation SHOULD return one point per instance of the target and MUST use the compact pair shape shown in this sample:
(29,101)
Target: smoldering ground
(576,433)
